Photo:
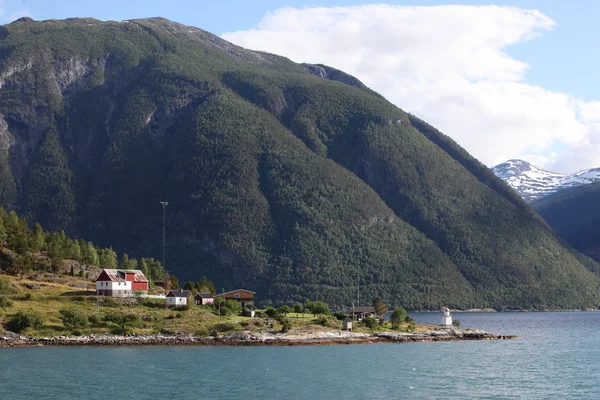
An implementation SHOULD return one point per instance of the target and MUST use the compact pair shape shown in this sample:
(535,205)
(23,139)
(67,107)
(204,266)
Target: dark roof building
(204,296)
(179,293)
(361,312)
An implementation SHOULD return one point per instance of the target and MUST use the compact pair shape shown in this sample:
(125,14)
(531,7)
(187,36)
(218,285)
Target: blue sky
(562,63)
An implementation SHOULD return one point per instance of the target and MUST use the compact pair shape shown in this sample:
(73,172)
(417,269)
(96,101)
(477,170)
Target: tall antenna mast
(164,206)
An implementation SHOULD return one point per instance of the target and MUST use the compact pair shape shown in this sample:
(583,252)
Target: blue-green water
(558,357)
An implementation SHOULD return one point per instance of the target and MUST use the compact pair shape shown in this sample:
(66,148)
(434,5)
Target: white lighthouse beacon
(446,317)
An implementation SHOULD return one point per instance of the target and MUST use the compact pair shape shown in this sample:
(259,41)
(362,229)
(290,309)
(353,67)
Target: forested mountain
(575,215)
(293,180)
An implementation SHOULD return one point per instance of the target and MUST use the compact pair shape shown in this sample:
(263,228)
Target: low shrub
(93,319)
(286,325)
(25,319)
(369,322)
(227,307)
(340,316)
(223,327)
(72,318)
(5,302)
(108,302)
(270,312)
(202,331)
(121,319)
(25,297)
(6,287)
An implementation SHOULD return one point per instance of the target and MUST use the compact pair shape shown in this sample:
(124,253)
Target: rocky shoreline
(247,338)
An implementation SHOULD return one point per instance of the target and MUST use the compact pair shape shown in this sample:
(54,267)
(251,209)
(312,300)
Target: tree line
(25,249)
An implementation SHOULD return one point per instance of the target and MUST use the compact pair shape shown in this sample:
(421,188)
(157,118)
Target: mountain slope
(534,183)
(574,214)
(293,180)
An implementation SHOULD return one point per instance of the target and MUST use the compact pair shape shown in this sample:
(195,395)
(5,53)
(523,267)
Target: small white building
(446,317)
(177,298)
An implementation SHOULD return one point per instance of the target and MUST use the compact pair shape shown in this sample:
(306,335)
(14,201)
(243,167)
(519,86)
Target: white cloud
(446,64)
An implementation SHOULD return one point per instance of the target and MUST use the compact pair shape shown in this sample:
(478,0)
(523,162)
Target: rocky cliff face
(293,180)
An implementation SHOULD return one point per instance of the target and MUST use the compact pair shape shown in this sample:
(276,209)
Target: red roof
(118,275)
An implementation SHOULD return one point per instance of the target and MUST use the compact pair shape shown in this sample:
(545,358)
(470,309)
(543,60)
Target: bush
(270,312)
(340,316)
(121,319)
(93,319)
(323,320)
(456,323)
(25,297)
(227,307)
(72,318)
(108,302)
(224,327)
(317,307)
(25,319)
(6,287)
(5,302)
(370,322)
(286,325)
(284,310)
(398,316)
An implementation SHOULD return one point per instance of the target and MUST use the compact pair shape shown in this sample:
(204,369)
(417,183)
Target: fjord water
(557,357)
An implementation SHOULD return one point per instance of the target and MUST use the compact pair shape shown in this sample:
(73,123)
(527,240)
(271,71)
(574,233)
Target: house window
(237,295)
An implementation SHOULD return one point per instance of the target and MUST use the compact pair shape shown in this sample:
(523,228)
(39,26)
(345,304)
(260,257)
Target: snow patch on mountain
(533,183)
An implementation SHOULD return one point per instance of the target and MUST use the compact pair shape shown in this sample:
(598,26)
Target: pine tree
(3,234)
(89,255)
(206,286)
(142,265)
(128,263)
(380,307)
(38,242)
(75,251)
(8,187)
(108,258)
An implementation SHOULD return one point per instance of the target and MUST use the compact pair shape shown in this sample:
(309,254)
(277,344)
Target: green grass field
(47,299)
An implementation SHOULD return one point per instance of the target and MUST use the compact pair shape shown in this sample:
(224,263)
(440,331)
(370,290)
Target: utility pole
(222,300)
(358,282)
(164,206)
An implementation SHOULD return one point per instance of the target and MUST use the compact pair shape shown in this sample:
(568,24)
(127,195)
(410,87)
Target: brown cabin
(361,312)
(243,296)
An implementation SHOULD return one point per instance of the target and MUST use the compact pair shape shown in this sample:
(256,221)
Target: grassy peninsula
(49,295)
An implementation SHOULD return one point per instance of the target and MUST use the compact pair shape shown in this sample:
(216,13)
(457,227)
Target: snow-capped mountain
(533,183)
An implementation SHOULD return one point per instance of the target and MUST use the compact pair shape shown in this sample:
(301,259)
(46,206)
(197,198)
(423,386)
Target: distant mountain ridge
(533,183)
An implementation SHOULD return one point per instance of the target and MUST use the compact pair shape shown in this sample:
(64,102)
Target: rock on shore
(248,338)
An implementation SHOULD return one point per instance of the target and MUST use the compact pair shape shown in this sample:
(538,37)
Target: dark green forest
(575,215)
(279,181)
(31,250)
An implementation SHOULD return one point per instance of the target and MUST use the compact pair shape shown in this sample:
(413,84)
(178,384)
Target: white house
(120,282)
(177,298)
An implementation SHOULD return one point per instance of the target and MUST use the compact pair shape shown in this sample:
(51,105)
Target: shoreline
(247,338)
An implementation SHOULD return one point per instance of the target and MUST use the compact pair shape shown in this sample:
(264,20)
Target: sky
(505,79)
